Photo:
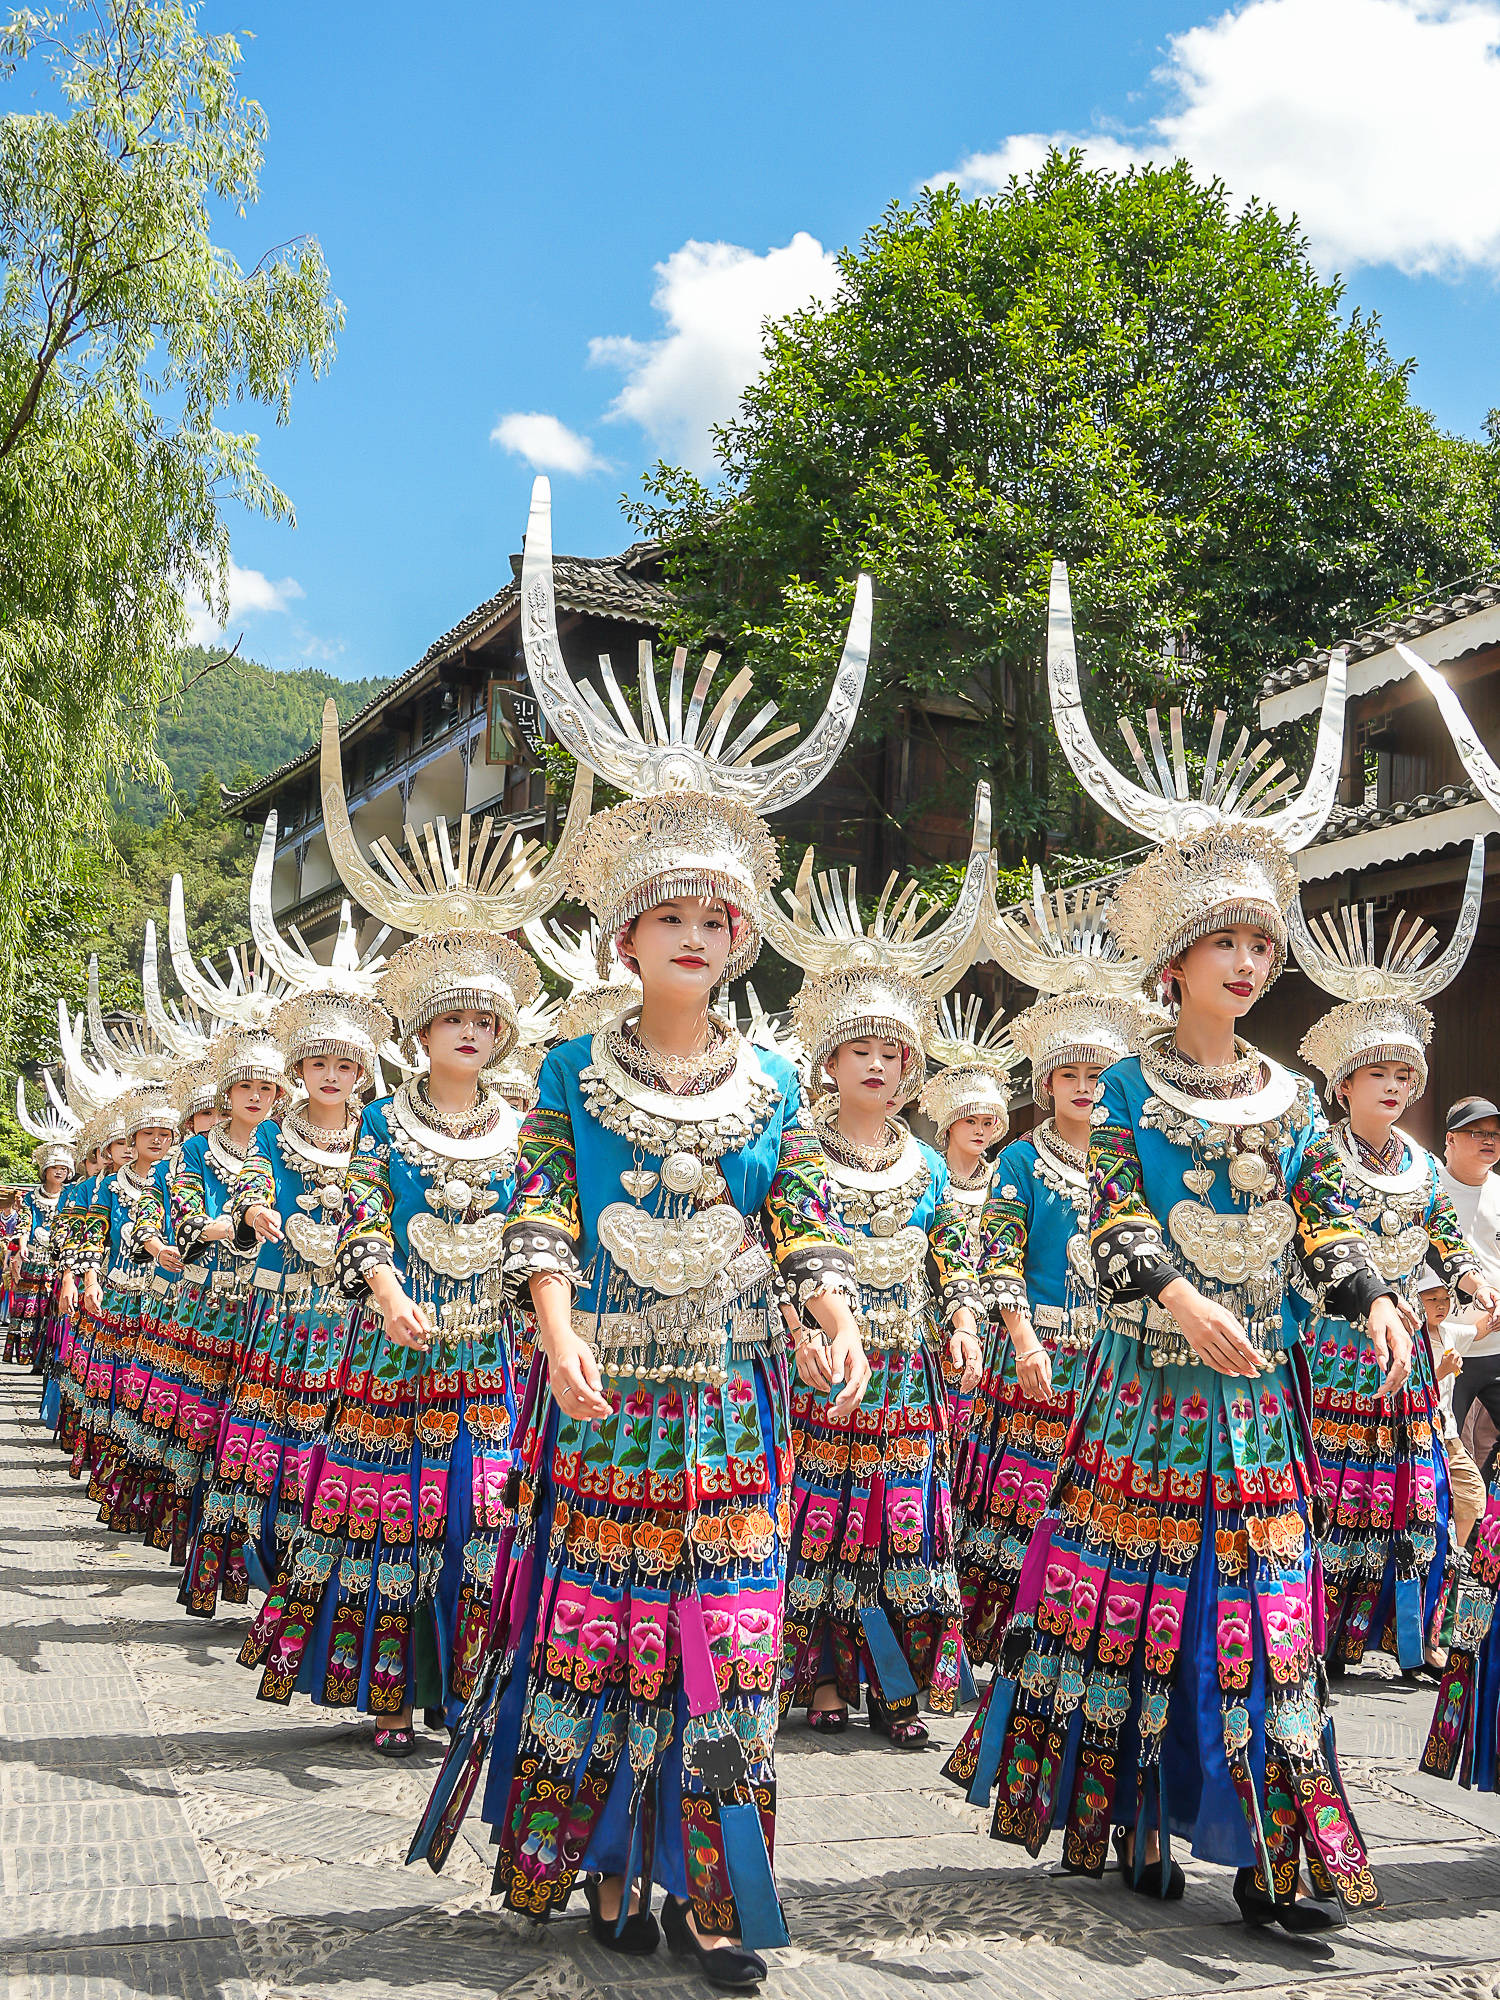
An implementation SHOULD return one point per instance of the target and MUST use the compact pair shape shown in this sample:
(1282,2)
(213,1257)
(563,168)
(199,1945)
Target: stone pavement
(163,1833)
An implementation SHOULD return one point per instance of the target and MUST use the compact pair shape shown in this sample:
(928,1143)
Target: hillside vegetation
(239,721)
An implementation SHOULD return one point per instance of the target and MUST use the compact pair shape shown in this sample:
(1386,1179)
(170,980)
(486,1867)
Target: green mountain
(239,721)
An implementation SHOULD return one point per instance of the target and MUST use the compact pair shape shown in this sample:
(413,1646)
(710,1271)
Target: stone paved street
(162,1833)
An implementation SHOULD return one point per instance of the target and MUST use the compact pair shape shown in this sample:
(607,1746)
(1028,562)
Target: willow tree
(127,337)
(1121,369)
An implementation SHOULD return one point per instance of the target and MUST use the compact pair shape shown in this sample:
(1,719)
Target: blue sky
(499,190)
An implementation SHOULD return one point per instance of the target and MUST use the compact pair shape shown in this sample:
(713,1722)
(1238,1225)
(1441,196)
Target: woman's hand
(572,1369)
(847,1361)
(218,1231)
(265,1222)
(1211,1330)
(406,1323)
(163,1253)
(67,1294)
(1392,1344)
(965,1353)
(1487,1299)
(93,1298)
(573,1372)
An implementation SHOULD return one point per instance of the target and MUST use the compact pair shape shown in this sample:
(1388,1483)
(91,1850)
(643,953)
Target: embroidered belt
(747,1333)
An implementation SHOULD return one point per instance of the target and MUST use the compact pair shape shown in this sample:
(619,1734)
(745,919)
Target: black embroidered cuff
(1132,1262)
(358,1258)
(534,1247)
(1351,1297)
(961,1290)
(812,1269)
(1336,1262)
(1462,1264)
(1004,1291)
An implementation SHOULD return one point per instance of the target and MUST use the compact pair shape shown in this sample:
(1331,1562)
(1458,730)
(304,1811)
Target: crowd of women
(626,1385)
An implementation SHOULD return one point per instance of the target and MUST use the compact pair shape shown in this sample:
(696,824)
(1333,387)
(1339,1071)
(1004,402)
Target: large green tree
(1123,370)
(128,335)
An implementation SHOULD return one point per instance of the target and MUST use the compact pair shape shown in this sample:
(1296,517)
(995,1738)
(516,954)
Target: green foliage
(126,332)
(102,906)
(238,718)
(1116,369)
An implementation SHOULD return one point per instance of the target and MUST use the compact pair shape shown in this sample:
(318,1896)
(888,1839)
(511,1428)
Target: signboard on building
(517,729)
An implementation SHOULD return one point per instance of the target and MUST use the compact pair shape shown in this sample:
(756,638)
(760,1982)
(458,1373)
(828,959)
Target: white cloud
(250,592)
(715,299)
(1377,122)
(546,443)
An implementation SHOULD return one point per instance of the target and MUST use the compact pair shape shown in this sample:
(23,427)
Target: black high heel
(1150,1882)
(1299,1917)
(733,1966)
(637,1937)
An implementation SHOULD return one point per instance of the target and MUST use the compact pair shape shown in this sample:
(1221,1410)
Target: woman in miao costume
(114,1269)
(872,1597)
(197,1336)
(967,1100)
(288,1199)
(385,1594)
(70,1230)
(1385,1472)
(52,1162)
(1160,1673)
(1035,1267)
(1465,1735)
(630,1687)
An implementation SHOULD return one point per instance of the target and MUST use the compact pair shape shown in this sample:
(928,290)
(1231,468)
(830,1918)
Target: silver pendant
(638,1182)
(682,1172)
(1249,1173)
(1199,1180)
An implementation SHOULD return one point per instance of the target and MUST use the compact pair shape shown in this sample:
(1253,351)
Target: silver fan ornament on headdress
(1381,1017)
(129,1045)
(57,1124)
(479,883)
(1235,787)
(973,1059)
(1062,943)
(679,748)
(823,930)
(574,956)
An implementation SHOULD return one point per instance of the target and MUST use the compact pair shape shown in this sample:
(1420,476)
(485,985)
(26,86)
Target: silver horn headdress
(1225,854)
(879,979)
(180,1025)
(55,1130)
(348,971)
(973,1061)
(1381,1017)
(1091,1012)
(576,956)
(693,825)
(1235,787)
(246,998)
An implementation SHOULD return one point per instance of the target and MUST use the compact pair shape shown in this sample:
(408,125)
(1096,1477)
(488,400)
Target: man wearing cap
(1471,1153)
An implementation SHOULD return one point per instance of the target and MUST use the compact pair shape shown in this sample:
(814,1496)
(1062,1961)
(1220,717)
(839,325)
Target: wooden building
(1400,834)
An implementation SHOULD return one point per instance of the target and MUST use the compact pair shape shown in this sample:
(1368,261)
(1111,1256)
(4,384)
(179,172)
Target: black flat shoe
(637,1938)
(1301,1917)
(435,1717)
(731,1966)
(1151,1883)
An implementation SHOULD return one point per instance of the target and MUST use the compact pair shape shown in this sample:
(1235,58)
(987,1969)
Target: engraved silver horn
(1234,788)
(348,971)
(1472,754)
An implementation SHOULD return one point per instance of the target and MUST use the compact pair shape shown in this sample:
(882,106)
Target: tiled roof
(594,586)
(1345,821)
(1371,639)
